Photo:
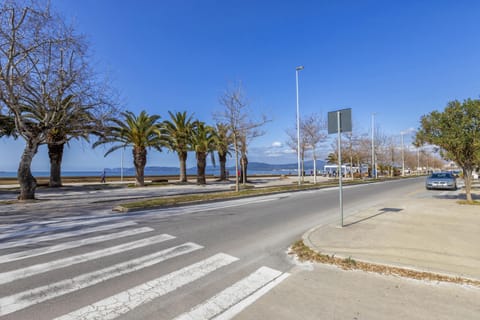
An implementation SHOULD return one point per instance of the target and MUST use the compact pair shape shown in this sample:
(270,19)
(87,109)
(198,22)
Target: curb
(423,274)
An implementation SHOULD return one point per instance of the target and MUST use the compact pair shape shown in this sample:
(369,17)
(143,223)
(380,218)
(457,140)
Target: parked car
(441,180)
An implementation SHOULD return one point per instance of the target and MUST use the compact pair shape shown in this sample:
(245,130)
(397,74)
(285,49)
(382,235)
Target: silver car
(441,180)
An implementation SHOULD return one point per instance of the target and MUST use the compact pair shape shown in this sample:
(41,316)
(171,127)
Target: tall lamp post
(403,155)
(374,171)
(297,69)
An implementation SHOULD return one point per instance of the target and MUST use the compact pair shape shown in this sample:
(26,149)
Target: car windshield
(441,175)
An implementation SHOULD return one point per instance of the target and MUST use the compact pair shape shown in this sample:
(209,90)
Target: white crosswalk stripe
(121,303)
(71,244)
(6,277)
(239,307)
(27,298)
(55,226)
(232,295)
(34,224)
(61,235)
(224,305)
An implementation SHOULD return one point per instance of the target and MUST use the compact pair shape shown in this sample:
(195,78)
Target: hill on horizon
(254,166)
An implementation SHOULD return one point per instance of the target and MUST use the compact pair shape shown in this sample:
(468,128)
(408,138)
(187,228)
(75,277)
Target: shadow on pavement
(459,196)
(381,211)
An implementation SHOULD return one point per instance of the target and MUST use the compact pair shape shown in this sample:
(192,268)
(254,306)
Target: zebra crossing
(60,237)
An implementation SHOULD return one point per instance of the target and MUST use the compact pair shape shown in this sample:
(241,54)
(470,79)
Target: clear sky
(398,59)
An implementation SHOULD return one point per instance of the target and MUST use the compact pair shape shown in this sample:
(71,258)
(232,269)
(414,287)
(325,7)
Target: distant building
(332,169)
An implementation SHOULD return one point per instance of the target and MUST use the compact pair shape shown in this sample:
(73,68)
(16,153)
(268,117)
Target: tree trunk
(302,168)
(244,163)
(223,164)
(351,165)
(182,157)
(139,161)
(201,164)
(237,187)
(27,181)
(467,177)
(55,153)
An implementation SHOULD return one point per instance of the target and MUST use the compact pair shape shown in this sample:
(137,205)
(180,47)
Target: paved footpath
(425,231)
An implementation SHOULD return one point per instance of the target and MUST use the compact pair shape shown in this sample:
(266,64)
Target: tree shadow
(380,212)
(458,196)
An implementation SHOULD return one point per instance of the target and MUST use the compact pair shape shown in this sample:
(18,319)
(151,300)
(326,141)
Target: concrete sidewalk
(425,230)
(420,232)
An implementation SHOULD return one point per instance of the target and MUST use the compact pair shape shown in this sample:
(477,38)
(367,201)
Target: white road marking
(9,276)
(26,225)
(239,307)
(55,226)
(70,245)
(232,295)
(56,236)
(31,297)
(123,302)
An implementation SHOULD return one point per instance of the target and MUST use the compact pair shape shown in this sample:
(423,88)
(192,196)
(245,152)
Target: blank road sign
(345,121)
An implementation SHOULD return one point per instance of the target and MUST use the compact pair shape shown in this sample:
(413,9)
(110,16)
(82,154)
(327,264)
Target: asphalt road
(226,250)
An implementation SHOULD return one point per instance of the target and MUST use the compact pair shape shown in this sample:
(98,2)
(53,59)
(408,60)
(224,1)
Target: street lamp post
(374,171)
(297,69)
(403,155)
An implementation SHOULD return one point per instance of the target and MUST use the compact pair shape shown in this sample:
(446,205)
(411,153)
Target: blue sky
(398,59)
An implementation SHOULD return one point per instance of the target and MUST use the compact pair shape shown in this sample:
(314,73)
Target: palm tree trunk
(201,164)
(139,161)
(223,164)
(182,157)
(27,181)
(55,153)
(244,164)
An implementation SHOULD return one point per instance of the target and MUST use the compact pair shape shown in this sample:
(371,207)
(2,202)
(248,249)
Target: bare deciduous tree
(42,62)
(243,126)
(312,132)
(293,143)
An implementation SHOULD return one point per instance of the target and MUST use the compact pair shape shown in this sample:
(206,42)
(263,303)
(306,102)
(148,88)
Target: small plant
(350,262)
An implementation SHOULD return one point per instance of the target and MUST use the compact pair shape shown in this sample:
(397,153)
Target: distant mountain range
(261,166)
(252,166)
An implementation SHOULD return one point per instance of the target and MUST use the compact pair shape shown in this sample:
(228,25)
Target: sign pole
(340,168)
(340,121)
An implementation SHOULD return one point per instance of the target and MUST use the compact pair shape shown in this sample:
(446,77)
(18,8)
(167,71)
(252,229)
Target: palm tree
(68,119)
(140,133)
(178,134)
(203,140)
(332,158)
(76,123)
(223,147)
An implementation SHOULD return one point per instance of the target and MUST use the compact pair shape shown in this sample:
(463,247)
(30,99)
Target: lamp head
(299,68)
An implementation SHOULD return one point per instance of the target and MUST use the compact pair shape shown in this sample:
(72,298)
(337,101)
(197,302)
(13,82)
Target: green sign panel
(345,121)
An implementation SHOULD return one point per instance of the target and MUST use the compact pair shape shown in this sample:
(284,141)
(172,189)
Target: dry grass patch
(465,202)
(304,253)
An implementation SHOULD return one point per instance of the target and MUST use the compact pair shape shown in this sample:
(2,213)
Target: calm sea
(130,172)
